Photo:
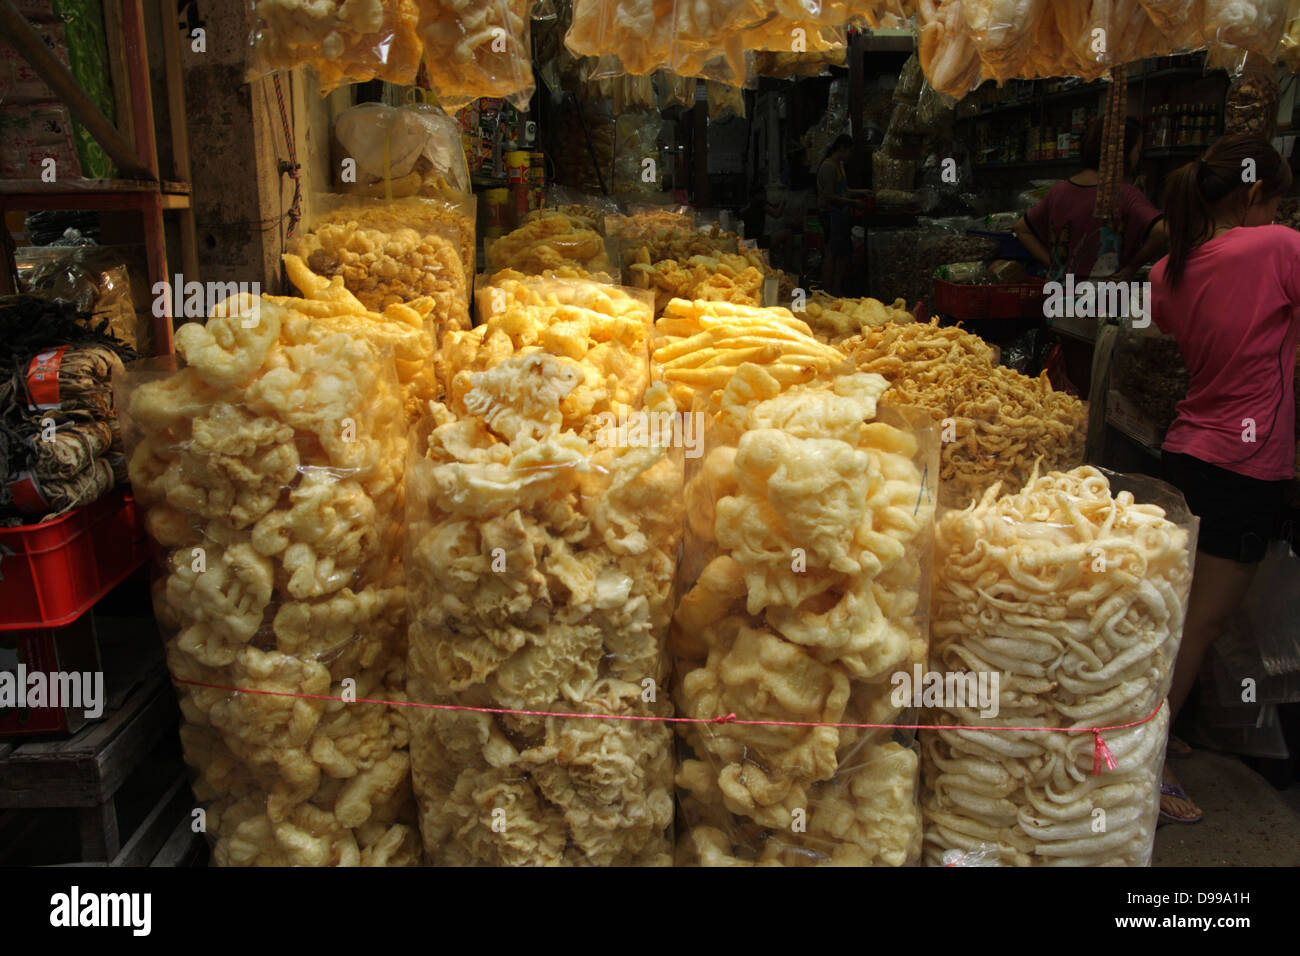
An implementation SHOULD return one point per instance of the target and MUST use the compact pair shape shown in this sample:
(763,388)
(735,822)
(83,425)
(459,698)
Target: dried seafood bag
(805,581)
(396,250)
(270,472)
(477,48)
(1251,103)
(344,40)
(544,519)
(1147,368)
(1072,593)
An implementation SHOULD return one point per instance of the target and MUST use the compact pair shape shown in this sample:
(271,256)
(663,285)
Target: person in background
(1061,232)
(837,203)
(1229,294)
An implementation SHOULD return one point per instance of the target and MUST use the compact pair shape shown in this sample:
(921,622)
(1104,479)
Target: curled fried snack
(477,48)
(540,565)
(1075,597)
(997,422)
(272,467)
(807,515)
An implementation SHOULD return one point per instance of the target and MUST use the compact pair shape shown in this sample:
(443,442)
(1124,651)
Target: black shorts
(839,232)
(1239,515)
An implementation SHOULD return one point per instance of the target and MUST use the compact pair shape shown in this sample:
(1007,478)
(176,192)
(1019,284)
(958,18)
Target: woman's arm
(1031,242)
(1156,244)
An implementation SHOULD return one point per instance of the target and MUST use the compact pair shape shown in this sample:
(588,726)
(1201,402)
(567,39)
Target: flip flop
(1178,748)
(1176,790)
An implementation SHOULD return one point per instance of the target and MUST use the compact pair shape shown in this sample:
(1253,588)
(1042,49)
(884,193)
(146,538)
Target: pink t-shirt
(1234,316)
(1063,222)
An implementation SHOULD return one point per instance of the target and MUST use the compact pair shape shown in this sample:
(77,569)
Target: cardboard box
(66,650)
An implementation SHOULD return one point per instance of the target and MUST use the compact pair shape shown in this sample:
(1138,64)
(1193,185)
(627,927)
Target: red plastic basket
(51,573)
(1013,300)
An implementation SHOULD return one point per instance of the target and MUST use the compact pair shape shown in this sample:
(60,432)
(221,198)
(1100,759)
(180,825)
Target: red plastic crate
(1013,300)
(51,573)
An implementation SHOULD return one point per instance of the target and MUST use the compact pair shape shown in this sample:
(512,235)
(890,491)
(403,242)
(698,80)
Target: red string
(1101,753)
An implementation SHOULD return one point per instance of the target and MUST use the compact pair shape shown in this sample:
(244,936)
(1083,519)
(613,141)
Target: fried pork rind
(396,252)
(600,331)
(476,48)
(540,562)
(834,320)
(347,42)
(271,467)
(1074,594)
(811,519)
(551,241)
(997,423)
(700,345)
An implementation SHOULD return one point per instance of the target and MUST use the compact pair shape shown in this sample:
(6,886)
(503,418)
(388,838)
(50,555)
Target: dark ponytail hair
(1196,189)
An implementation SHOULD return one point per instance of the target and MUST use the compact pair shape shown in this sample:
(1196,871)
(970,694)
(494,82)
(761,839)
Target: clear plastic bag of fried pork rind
(640,33)
(544,521)
(1060,607)
(808,523)
(1254,26)
(400,151)
(476,48)
(395,251)
(269,470)
(345,40)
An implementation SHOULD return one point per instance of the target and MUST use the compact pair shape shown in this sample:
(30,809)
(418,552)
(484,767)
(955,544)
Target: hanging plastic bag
(1273,608)
(638,32)
(725,101)
(400,151)
(675,90)
(477,48)
(346,41)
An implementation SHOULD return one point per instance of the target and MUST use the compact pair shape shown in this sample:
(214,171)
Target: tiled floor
(1247,821)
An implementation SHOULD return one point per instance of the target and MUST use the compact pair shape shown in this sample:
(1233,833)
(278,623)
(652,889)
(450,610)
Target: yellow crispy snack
(552,240)
(996,422)
(347,42)
(271,466)
(541,565)
(834,320)
(1074,597)
(806,517)
(701,344)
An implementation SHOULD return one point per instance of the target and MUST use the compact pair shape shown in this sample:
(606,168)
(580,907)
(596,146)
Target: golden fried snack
(995,422)
(347,42)
(1075,597)
(806,518)
(552,240)
(701,344)
(476,48)
(272,464)
(834,320)
(392,252)
(540,568)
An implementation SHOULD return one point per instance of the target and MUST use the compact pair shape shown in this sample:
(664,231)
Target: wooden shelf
(1166,151)
(92,194)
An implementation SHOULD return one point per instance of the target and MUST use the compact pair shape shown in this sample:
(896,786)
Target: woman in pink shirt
(1229,293)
